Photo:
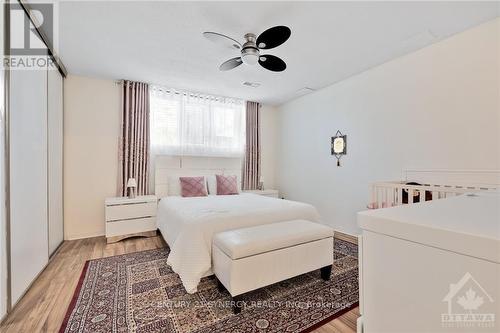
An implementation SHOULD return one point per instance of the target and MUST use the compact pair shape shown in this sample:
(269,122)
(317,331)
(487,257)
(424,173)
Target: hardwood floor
(43,307)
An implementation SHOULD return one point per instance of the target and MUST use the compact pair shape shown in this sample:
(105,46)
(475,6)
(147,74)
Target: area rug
(138,292)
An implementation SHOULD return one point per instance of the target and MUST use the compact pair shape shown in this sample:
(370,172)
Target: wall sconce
(339,146)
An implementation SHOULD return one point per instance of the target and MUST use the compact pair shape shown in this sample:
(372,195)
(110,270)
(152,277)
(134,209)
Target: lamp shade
(131,182)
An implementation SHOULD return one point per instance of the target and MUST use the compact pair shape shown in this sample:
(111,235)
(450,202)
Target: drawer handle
(132,218)
(130,204)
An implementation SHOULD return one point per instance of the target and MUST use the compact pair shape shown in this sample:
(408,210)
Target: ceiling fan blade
(272,63)
(230,64)
(222,40)
(273,37)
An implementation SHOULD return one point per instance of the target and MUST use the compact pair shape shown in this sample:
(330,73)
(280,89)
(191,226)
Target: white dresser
(431,267)
(267,193)
(130,217)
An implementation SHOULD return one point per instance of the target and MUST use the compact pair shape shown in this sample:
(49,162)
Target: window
(196,125)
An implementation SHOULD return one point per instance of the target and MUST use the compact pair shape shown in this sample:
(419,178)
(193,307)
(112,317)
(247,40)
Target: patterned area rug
(138,292)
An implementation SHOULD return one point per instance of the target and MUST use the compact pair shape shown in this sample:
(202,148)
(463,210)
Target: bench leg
(326,272)
(237,304)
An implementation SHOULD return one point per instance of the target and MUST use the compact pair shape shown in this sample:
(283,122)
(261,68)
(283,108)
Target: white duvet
(188,225)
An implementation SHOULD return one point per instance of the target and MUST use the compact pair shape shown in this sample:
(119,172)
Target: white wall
(91,132)
(436,108)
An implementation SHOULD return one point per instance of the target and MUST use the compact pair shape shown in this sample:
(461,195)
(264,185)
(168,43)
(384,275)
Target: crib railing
(388,194)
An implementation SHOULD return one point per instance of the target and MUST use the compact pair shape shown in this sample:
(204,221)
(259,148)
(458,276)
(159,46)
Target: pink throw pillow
(193,186)
(226,185)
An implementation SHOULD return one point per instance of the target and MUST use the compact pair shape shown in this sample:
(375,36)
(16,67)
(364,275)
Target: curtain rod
(185,93)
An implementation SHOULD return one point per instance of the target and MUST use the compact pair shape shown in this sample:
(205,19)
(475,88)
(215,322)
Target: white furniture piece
(251,258)
(431,267)
(436,184)
(266,193)
(130,217)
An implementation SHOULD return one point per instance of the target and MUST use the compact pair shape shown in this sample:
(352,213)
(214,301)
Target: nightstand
(130,217)
(267,193)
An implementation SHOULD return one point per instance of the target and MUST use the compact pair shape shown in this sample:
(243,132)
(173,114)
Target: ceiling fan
(250,50)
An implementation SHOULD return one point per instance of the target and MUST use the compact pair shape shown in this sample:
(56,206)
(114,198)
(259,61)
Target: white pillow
(174,186)
(212,184)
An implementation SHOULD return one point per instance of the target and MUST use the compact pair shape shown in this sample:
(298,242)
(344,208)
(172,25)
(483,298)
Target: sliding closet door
(55,158)
(3,228)
(28,178)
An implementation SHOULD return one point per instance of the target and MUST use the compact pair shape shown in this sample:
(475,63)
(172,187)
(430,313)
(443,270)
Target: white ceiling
(162,42)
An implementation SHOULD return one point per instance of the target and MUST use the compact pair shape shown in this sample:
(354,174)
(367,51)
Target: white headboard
(182,166)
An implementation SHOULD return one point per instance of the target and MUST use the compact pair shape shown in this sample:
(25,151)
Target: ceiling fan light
(250,59)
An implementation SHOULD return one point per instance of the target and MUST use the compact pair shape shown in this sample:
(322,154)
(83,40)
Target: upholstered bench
(251,258)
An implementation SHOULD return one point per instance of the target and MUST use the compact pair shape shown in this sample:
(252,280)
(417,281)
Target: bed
(188,224)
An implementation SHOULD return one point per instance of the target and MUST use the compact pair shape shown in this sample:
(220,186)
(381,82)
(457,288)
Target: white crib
(435,184)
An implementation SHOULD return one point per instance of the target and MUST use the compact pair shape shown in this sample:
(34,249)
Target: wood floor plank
(44,306)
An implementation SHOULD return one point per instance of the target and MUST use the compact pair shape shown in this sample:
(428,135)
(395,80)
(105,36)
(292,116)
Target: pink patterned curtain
(134,138)
(251,164)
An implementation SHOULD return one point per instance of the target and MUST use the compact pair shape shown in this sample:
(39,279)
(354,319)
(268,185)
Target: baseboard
(346,237)
(338,234)
(70,238)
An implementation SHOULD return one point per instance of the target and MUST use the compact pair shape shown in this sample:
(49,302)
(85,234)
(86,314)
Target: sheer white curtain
(195,125)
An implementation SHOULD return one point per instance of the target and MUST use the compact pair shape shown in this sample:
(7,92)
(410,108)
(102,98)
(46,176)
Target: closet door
(55,158)
(28,178)
(3,228)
